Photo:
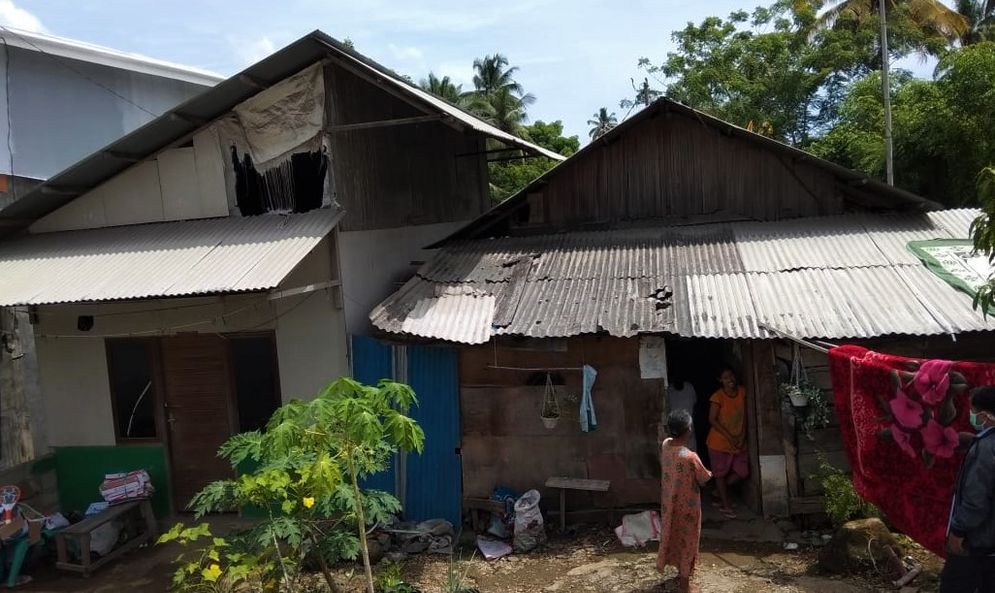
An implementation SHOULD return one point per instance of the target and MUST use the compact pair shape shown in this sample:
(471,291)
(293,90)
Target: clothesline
(534,369)
(822,347)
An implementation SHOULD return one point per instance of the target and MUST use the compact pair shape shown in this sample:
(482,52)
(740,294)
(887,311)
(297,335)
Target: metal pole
(886,93)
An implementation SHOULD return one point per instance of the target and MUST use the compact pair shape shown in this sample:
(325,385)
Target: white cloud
(250,51)
(409,53)
(19,18)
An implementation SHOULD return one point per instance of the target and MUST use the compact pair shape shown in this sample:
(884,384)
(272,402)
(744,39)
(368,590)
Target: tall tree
(492,74)
(932,18)
(509,176)
(980,16)
(601,123)
(498,98)
(444,88)
(944,128)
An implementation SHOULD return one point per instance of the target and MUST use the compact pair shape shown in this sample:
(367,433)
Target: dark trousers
(968,574)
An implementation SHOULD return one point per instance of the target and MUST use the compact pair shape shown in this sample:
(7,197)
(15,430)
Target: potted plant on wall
(550,412)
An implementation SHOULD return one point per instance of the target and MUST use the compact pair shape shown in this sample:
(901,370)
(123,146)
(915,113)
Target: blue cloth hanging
(588,419)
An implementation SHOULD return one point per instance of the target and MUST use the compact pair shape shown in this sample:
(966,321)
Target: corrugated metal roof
(220,255)
(957,222)
(193,114)
(831,277)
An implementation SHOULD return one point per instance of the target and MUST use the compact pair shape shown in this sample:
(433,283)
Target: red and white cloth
(126,486)
(900,419)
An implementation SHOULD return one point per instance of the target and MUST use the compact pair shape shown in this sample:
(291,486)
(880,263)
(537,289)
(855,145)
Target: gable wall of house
(673,166)
(399,175)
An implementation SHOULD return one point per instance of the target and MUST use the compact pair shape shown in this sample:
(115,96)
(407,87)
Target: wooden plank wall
(828,442)
(505,443)
(674,166)
(401,175)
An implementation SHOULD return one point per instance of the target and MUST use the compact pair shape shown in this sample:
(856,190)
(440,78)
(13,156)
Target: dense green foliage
(309,460)
(509,176)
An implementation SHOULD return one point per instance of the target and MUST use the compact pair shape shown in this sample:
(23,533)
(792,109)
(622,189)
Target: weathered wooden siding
(674,166)
(505,443)
(404,174)
(804,453)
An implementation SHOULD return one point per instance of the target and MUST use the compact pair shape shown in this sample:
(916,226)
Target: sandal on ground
(728,513)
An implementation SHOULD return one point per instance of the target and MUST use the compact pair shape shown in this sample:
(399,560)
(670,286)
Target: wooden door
(198,410)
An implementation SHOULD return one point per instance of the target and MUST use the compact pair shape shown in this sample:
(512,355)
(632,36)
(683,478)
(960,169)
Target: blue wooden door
(371,362)
(434,479)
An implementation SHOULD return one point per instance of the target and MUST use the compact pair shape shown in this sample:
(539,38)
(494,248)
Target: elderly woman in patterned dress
(682,476)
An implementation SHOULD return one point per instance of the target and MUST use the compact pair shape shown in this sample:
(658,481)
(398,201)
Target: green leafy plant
(456,581)
(983,233)
(214,565)
(390,581)
(842,501)
(817,413)
(309,461)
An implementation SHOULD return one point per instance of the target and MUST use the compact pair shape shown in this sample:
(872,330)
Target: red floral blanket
(900,419)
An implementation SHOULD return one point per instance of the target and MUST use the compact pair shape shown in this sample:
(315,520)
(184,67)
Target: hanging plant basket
(797,396)
(550,413)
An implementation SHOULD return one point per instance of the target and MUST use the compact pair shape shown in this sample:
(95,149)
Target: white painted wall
(310,333)
(76,391)
(179,184)
(311,336)
(374,263)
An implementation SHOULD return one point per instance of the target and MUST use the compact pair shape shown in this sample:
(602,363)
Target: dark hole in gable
(296,185)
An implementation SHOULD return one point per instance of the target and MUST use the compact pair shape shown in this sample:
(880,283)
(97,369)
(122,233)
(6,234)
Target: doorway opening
(698,362)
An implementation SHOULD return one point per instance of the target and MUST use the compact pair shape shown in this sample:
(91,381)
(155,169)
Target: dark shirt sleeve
(974,501)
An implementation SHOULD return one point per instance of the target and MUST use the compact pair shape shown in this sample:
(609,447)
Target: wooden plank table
(582,484)
(80,532)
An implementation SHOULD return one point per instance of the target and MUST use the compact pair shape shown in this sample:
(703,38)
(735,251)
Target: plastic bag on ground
(529,530)
(638,529)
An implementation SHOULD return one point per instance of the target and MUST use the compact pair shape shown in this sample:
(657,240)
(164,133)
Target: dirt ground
(589,560)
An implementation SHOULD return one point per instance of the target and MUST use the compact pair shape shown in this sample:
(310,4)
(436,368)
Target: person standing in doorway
(681,477)
(682,396)
(970,566)
(727,438)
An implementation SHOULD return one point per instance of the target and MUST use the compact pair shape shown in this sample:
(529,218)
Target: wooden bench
(565,484)
(81,532)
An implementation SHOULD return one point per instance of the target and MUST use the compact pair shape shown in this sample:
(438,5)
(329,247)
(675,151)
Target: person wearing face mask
(970,566)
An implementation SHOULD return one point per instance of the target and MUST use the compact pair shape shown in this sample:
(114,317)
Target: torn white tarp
(282,118)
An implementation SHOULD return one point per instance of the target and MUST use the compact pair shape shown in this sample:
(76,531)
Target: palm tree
(931,16)
(601,122)
(444,88)
(491,74)
(505,110)
(980,16)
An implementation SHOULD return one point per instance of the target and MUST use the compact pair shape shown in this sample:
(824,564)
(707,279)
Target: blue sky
(574,55)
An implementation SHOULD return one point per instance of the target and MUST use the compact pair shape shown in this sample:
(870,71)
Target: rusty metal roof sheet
(212,256)
(830,277)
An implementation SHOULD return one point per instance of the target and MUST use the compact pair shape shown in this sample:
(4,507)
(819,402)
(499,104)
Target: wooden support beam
(402,121)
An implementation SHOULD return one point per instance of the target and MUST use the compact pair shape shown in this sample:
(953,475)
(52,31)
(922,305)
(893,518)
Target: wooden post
(563,510)
(22,426)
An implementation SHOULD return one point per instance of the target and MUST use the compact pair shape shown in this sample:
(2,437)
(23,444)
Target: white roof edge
(96,54)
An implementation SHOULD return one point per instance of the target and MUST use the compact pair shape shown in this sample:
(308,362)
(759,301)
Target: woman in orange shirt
(727,437)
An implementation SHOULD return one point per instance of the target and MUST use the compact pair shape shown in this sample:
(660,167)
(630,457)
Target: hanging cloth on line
(588,419)
(900,418)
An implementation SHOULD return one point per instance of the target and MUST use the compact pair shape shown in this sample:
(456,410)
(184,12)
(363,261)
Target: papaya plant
(309,461)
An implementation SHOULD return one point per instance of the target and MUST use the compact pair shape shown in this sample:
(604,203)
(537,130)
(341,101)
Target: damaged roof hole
(662,298)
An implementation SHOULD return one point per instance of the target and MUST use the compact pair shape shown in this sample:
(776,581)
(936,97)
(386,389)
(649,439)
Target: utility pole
(886,93)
